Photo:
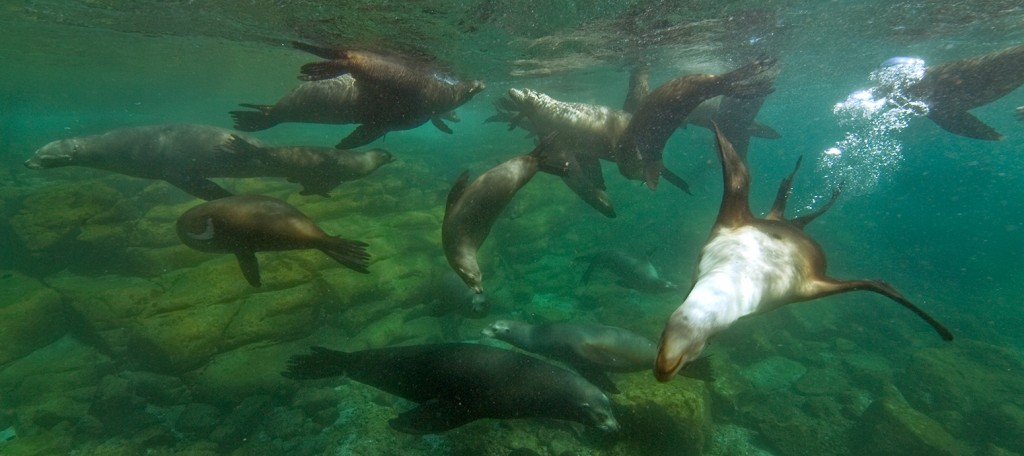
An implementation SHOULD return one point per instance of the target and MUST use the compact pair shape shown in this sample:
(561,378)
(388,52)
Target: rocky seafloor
(117,339)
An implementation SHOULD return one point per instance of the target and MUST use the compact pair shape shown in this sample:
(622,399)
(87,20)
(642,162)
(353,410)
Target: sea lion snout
(52,155)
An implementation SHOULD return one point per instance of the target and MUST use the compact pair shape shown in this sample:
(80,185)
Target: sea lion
(1020,113)
(590,349)
(456,383)
(633,271)
(334,101)
(246,224)
(188,155)
(318,169)
(953,88)
(639,149)
(184,155)
(394,92)
(472,208)
(751,265)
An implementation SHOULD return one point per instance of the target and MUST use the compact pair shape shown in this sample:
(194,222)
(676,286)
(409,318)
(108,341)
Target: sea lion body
(633,271)
(953,88)
(185,155)
(750,266)
(318,169)
(246,224)
(456,383)
(329,101)
(588,346)
(394,92)
(472,208)
(639,150)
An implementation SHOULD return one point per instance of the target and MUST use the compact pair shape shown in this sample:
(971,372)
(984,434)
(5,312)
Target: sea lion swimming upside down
(395,92)
(751,265)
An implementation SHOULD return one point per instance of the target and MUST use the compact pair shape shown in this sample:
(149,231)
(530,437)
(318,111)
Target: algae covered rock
(662,419)
(56,214)
(891,426)
(967,376)
(31,316)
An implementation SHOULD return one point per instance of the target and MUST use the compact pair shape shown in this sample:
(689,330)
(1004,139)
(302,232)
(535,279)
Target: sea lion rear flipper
(441,125)
(549,157)
(199,187)
(250,267)
(735,209)
(351,254)
(598,378)
(361,136)
(675,180)
(829,286)
(778,210)
(803,220)
(261,119)
(431,417)
(964,123)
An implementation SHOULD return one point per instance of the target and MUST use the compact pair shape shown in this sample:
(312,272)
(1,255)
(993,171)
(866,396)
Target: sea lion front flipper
(431,417)
(829,286)
(199,187)
(261,119)
(441,125)
(599,378)
(361,136)
(675,180)
(964,123)
(250,266)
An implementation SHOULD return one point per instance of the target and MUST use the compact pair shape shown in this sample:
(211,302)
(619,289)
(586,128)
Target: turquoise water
(118,339)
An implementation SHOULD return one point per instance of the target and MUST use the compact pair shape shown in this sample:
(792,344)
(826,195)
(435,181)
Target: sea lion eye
(207,233)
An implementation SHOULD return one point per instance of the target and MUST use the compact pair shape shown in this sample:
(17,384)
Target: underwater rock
(891,426)
(31,316)
(232,376)
(1001,424)
(662,419)
(822,382)
(198,419)
(967,377)
(240,422)
(28,386)
(773,373)
(121,411)
(53,215)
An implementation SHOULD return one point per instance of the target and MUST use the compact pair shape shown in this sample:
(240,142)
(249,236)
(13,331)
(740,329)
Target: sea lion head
(499,329)
(55,154)
(469,271)
(682,342)
(595,409)
(380,156)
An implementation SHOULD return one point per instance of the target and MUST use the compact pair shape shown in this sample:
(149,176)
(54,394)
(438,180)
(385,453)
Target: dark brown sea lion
(395,92)
(751,265)
(639,150)
(633,271)
(330,101)
(457,383)
(953,88)
(246,224)
(472,208)
(318,169)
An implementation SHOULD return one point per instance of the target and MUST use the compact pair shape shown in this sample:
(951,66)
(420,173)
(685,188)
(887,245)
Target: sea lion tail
(753,80)
(351,254)
(260,119)
(322,363)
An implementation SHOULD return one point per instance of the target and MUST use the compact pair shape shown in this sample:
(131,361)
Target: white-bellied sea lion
(395,92)
(639,150)
(633,271)
(246,224)
(751,265)
(473,207)
(951,89)
(318,169)
(456,383)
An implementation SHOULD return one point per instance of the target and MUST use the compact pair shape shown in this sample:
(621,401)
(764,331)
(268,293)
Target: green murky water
(117,339)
